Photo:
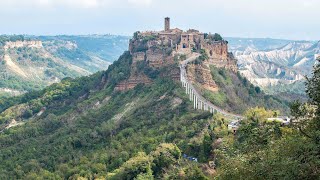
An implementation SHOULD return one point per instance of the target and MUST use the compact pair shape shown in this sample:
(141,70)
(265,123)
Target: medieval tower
(167,24)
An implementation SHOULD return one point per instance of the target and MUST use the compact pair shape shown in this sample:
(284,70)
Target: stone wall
(170,39)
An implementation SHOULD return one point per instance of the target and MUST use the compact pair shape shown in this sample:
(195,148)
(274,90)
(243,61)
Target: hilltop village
(158,49)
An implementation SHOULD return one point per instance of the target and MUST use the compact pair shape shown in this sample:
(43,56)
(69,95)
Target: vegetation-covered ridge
(262,150)
(237,94)
(30,63)
(232,92)
(95,139)
(82,128)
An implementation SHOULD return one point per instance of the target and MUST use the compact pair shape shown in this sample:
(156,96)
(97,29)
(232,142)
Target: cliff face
(136,76)
(200,73)
(219,56)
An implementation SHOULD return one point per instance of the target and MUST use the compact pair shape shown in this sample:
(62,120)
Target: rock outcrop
(136,77)
(17,44)
(132,82)
(200,73)
(282,63)
(159,49)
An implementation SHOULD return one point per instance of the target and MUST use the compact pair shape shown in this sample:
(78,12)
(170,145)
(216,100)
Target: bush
(27,114)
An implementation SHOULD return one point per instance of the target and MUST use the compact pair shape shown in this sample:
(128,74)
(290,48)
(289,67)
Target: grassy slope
(77,136)
(84,137)
(236,94)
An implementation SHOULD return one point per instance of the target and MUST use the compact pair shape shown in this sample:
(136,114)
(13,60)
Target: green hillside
(26,68)
(237,94)
(93,140)
(87,130)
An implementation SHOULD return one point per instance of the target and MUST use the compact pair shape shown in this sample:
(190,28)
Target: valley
(275,65)
(31,63)
(159,90)
(159,111)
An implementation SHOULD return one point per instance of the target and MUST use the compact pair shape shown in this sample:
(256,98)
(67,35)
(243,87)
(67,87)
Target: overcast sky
(288,19)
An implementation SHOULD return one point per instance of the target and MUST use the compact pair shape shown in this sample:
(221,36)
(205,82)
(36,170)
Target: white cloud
(4,4)
(140,2)
(78,3)
(236,17)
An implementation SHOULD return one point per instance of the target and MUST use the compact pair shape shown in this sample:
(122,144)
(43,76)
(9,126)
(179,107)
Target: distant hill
(261,44)
(275,65)
(32,62)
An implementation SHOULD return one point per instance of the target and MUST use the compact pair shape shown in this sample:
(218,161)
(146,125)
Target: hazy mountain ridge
(271,62)
(33,62)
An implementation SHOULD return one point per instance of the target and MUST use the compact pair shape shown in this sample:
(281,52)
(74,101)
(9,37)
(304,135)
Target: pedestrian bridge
(199,102)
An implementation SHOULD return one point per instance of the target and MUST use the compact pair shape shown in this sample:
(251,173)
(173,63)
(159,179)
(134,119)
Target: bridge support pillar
(186,88)
(194,102)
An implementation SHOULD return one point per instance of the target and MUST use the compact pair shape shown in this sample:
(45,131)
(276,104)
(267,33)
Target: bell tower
(166,24)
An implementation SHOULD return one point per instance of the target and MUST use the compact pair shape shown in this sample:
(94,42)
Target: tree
(27,114)
(217,37)
(307,116)
(165,155)
(313,85)
(135,35)
(268,151)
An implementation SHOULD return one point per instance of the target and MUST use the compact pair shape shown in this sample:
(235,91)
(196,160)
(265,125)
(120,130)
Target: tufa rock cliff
(200,73)
(158,50)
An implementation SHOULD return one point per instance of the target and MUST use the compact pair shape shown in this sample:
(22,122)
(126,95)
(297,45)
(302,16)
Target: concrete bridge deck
(199,102)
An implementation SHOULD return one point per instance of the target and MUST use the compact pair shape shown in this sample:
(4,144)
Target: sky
(282,19)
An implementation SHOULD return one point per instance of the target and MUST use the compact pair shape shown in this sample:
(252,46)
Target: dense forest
(262,150)
(81,128)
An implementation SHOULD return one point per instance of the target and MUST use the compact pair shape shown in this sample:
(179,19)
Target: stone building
(181,42)
(160,48)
